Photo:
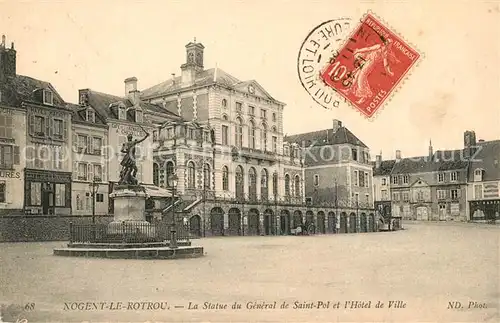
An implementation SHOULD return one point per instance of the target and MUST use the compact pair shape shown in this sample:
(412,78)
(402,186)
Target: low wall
(16,228)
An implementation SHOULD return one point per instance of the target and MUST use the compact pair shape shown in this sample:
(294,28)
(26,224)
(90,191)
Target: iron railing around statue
(126,233)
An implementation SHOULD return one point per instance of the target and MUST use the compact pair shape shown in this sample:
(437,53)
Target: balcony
(255,154)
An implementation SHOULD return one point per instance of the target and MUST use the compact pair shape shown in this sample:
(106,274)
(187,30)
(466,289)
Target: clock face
(251,89)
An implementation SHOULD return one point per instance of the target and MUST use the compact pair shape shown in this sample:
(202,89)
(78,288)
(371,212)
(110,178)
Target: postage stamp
(320,45)
(370,65)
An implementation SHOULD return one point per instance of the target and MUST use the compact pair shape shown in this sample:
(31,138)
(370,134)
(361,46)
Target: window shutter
(76,170)
(64,130)
(104,174)
(75,142)
(48,125)
(32,124)
(16,155)
(459,191)
(88,149)
(90,172)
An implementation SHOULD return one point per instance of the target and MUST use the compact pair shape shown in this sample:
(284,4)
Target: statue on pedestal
(128,163)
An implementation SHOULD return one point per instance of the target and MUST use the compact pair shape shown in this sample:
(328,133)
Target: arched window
(169,171)
(273,129)
(225,178)
(264,187)
(252,183)
(287,185)
(156,174)
(206,176)
(251,134)
(239,133)
(264,137)
(275,185)
(297,186)
(191,175)
(224,103)
(224,117)
(239,189)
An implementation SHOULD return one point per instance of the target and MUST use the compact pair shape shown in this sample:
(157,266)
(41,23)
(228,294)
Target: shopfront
(47,192)
(485,210)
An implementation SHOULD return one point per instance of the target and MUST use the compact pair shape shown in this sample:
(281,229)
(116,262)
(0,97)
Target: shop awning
(155,191)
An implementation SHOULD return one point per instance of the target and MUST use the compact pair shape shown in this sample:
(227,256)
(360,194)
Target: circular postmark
(316,52)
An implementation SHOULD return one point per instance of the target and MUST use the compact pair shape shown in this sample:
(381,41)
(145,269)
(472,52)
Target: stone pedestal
(130,211)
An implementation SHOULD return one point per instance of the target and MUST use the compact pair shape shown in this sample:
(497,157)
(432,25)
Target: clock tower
(194,62)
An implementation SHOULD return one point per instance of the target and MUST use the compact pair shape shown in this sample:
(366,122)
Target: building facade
(430,188)
(338,172)
(104,122)
(484,179)
(34,138)
(90,162)
(382,170)
(237,175)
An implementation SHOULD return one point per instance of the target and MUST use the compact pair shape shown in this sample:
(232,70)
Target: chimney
(173,78)
(431,151)
(7,60)
(131,91)
(378,161)
(337,124)
(398,155)
(480,140)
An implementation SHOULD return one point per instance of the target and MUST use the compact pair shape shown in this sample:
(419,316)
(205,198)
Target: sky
(97,44)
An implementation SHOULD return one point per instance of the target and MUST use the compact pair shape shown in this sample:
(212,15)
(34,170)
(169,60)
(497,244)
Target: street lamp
(172,182)
(94,187)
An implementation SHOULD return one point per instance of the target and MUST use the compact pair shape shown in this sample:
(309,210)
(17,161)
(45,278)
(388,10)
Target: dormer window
(138,116)
(478,175)
(122,113)
(90,115)
(48,97)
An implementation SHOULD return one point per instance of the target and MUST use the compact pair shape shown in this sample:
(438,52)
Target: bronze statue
(128,163)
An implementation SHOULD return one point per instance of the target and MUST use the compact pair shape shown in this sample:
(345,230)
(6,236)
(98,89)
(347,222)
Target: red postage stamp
(370,65)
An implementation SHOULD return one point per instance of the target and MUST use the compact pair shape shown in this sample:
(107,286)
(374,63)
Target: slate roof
(487,158)
(442,160)
(103,103)
(203,78)
(20,88)
(326,137)
(385,168)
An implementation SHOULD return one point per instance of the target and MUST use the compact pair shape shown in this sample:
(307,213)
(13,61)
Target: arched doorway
(332,222)
(239,182)
(195,225)
(310,225)
(269,222)
(297,219)
(372,222)
(217,221)
(363,225)
(252,184)
(343,222)
(253,222)
(285,222)
(352,222)
(320,225)
(234,219)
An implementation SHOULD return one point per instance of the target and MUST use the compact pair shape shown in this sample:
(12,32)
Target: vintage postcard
(249,161)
